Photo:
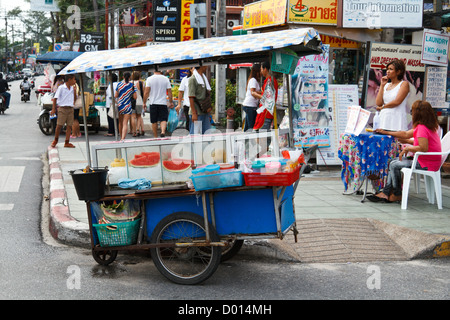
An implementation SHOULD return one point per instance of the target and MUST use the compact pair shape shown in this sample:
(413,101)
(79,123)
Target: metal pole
(288,83)
(83,105)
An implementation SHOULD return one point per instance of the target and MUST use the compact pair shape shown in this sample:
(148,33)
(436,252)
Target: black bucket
(90,185)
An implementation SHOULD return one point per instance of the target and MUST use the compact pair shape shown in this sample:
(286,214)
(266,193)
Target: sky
(11,4)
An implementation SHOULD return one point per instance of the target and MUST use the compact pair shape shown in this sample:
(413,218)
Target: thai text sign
(435,47)
(382,14)
(436,86)
(313,11)
(264,14)
(383,53)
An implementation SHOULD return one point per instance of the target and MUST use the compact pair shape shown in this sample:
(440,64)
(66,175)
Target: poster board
(339,98)
(436,86)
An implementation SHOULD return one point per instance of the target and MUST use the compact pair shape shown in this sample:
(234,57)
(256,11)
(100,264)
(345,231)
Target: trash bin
(90,185)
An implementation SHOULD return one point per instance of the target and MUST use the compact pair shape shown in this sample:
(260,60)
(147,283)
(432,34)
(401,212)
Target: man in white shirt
(157,88)
(64,98)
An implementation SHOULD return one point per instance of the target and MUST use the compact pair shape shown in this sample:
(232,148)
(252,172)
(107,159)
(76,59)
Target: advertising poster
(311,114)
(436,86)
(313,11)
(381,54)
(264,14)
(187,33)
(166,21)
(91,41)
(435,47)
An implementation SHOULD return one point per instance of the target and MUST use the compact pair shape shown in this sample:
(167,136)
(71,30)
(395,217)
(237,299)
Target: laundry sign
(435,46)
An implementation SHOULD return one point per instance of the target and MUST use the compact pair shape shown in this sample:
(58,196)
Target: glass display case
(169,161)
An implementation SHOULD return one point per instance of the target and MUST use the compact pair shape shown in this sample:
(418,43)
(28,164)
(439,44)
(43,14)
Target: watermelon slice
(177,165)
(145,159)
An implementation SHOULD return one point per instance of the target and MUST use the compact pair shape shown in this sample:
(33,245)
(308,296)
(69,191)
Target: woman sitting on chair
(425,139)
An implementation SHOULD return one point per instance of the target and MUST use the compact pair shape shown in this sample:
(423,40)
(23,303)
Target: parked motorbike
(46,124)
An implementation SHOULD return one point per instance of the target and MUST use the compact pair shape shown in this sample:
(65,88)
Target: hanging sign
(435,46)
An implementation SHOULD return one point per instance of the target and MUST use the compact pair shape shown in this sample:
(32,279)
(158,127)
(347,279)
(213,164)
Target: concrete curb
(62,225)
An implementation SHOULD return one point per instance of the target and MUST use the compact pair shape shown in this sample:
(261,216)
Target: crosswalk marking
(6,206)
(26,158)
(10,178)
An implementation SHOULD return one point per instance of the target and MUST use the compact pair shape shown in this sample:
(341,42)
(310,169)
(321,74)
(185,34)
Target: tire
(46,125)
(233,248)
(104,257)
(184,265)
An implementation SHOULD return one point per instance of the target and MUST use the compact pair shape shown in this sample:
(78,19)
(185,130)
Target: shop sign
(91,41)
(264,14)
(187,33)
(382,14)
(313,11)
(435,46)
(436,86)
(335,42)
(383,53)
(166,21)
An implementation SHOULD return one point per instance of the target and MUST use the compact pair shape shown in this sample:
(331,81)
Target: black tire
(104,257)
(46,124)
(184,265)
(233,248)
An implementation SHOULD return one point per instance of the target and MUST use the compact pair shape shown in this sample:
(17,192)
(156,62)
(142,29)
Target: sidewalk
(333,227)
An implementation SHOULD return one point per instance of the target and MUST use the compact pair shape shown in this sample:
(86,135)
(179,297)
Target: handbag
(172,121)
(205,104)
(111,113)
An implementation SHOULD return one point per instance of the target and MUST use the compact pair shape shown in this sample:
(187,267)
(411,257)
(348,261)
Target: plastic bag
(172,122)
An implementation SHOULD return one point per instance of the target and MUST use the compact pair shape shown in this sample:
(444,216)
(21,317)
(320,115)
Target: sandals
(54,143)
(68,145)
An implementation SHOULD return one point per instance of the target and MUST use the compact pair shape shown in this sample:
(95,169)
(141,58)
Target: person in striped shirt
(124,92)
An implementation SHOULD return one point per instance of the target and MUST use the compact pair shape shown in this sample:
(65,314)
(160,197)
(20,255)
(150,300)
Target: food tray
(271,179)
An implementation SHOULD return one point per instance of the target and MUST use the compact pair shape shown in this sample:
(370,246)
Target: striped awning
(224,50)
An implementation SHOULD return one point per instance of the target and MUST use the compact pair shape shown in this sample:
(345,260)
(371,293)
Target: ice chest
(218,180)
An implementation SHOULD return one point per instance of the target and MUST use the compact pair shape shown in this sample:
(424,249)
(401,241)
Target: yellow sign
(339,42)
(264,14)
(187,33)
(37,46)
(313,11)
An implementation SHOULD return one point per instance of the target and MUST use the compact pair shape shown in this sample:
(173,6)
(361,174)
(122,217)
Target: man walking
(157,87)
(64,99)
(199,89)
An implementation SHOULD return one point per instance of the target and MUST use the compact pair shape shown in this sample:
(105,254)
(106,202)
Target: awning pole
(86,135)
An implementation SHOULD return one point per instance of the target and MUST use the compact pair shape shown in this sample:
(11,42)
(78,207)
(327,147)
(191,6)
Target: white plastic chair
(432,178)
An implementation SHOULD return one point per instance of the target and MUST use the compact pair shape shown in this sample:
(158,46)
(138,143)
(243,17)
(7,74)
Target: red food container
(271,179)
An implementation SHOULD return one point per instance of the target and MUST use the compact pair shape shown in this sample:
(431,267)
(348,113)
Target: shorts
(158,112)
(65,116)
(76,114)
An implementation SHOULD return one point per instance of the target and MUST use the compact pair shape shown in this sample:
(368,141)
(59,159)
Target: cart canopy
(222,50)
(58,57)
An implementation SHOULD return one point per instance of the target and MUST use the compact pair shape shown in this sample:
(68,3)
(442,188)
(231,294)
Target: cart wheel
(104,257)
(190,264)
(232,249)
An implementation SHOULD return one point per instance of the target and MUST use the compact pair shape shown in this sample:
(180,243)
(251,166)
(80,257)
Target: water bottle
(376,121)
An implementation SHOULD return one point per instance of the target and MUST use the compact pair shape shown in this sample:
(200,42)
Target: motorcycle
(32,82)
(45,122)
(25,95)
(2,104)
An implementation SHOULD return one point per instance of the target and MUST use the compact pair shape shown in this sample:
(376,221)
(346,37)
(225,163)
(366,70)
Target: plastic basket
(90,185)
(271,179)
(287,65)
(218,180)
(117,234)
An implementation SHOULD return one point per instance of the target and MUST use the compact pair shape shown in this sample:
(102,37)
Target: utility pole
(6,44)
(220,68)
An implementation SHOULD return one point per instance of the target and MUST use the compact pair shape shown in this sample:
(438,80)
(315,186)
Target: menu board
(340,97)
(436,86)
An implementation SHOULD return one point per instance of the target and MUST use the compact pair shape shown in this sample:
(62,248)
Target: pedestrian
(57,81)
(252,96)
(269,94)
(137,123)
(76,133)
(157,89)
(199,93)
(422,137)
(109,105)
(392,98)
(63,102)
(183,97)
(124,92)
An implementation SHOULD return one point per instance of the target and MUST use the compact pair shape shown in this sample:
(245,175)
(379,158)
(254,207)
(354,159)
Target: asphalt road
(32,266)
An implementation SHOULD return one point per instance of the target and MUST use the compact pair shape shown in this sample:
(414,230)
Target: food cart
(191,200)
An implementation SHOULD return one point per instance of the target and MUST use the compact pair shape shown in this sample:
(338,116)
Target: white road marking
(10,178)
(6,206)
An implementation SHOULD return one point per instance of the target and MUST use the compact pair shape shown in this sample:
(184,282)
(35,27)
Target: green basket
(283,62)
(124,234)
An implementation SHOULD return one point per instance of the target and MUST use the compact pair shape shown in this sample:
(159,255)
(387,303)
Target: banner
(166,21)
(311,114)
(187,33)
(313,11)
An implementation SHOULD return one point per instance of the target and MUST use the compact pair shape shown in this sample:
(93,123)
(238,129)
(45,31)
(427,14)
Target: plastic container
(264,179)
(376,121)
(283,163)
(199,171)
(220,180)
(118,233)
(90,185)
(212,169)
(258,166)
(226,167)
(273,167)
